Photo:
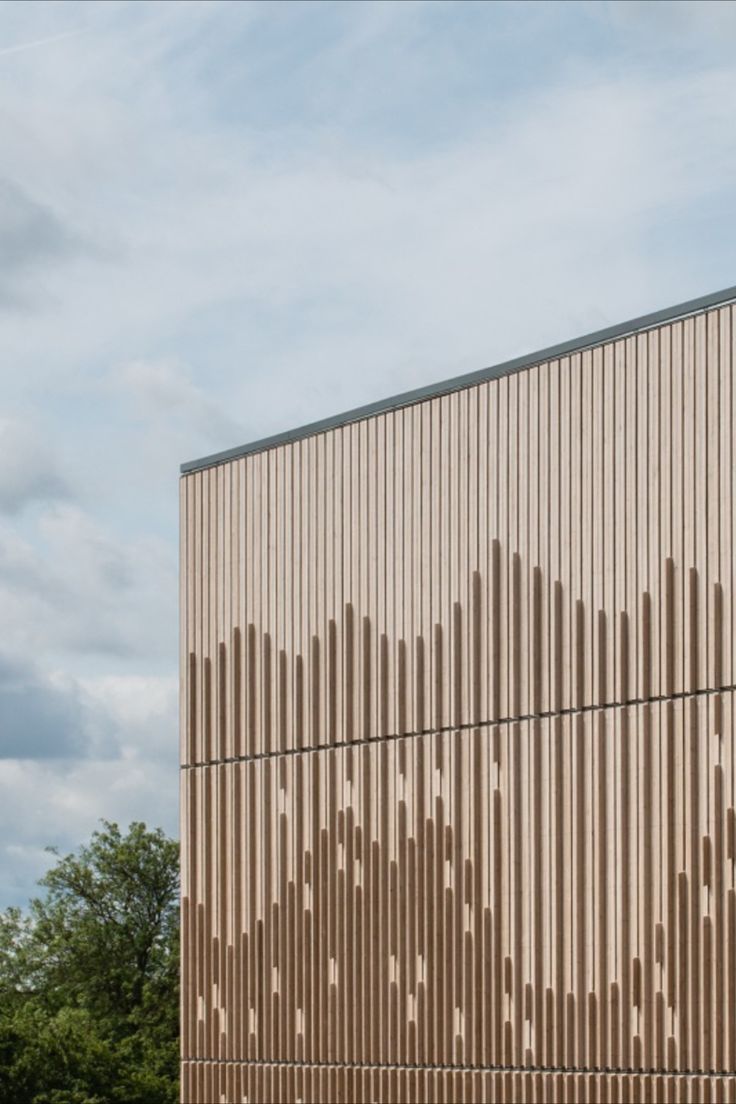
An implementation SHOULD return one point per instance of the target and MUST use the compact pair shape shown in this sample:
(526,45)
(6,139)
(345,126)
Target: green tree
(89,990)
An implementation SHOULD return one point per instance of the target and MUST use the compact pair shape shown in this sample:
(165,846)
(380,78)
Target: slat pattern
(554,539)
(459,778)
(213,1083)
(555,893)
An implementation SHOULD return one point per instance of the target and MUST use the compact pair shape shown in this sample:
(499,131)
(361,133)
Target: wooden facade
(458,764)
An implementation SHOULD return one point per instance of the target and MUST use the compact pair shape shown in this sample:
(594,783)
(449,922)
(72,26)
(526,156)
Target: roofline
(506,368)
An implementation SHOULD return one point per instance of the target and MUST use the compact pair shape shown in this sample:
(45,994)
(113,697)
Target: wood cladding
(459,783)
(589,500)
(212,1082)
(553,893)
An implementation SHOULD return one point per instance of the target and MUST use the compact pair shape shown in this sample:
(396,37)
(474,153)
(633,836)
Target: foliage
(89,999)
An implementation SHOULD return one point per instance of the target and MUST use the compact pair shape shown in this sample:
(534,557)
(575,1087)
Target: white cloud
(49,40)
(53,802)
(47,804)
(76,588)
(29,472)
(671,19)
(41,717)
(32,237)
(144,708)
(332,240)
(164,395)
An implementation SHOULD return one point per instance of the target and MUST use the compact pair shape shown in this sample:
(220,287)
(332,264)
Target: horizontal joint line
(576,1070)
(470,726)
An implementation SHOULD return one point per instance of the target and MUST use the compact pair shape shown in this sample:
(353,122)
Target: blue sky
(220,220)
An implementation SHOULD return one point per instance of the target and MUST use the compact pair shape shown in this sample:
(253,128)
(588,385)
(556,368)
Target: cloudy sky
(221,220)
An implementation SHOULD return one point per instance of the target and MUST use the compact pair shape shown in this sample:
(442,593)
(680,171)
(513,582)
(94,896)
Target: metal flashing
(469,379)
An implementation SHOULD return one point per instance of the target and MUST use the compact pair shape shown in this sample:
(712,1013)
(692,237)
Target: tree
(89,1001)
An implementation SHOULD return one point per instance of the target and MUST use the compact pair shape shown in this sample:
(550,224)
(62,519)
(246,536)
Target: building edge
(469,379)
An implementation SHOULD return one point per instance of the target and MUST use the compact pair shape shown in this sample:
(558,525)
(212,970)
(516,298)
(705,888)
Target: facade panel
(459,783)
(551,893)
(210,1082)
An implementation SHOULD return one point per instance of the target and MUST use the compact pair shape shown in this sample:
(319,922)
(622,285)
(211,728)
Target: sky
(221,220)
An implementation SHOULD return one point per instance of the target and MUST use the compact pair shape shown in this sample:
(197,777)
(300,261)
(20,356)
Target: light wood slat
(519,599)
(210,1083)
(606,496)
(544,887)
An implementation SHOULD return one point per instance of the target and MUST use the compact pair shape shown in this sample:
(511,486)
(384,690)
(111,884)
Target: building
(459,781)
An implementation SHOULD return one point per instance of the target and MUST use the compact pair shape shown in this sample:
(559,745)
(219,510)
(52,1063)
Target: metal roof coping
(469,379)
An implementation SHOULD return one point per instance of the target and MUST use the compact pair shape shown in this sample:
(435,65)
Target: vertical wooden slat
(519,598)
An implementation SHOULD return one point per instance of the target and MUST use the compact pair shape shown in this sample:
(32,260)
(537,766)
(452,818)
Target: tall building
(459,779)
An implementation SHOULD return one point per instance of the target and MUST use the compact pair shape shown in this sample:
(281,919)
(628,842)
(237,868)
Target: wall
(458,742)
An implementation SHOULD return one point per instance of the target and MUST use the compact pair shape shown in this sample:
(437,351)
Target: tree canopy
(89,977)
